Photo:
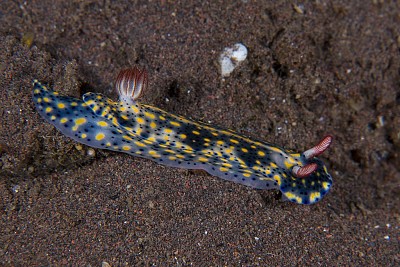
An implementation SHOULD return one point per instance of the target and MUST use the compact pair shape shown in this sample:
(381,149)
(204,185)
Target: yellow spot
(84,135)
(126,148)
(253,146)
(114,120)
(60,105)
(106,110)
(293,185)
(151,139)
(277,179)
(122,108)
(172,158)
(46,99)
(168,130)
(162,118)
(55,93)
(135,109)
(150,115)
(314,196)
(261,153)
(124,117)
(139,144)
(39,100)
(292,196)
(258,162)
(183,136)
(234,141)
(169,151)
(140,120)
(74,104)
(174,123)
(229,150)
(100,136)
(63,120)
(273,165)
(227,165)
(214,133)
(53,117)
(180,156)
(89,102)
(102,123)
(80,121)
(207,140)
(325,185)
(153,153)
(202,159)
(153,125)
(244,150)
(196,132)
(288,165)
(220,143)
(37,91)
(275,149)
(246,174)
(223,169)
(48,109)
(127,138)
(256,168)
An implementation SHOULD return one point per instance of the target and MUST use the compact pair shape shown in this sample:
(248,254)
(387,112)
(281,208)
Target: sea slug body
(145,131)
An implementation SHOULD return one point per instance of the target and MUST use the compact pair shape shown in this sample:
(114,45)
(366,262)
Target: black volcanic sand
(312,69)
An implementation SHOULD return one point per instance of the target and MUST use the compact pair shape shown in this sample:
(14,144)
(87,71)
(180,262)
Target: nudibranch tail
(131,83)
(148,132)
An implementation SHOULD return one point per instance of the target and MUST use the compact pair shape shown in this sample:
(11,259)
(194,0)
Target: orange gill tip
(319,148)
(131,82)
(301,172)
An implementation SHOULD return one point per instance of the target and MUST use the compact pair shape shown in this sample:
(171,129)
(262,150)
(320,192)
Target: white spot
(381,121)
(16,188)
(231,57)
(387,237)
(91,152)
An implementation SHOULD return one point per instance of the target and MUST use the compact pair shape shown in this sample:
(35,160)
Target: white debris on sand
(231,57)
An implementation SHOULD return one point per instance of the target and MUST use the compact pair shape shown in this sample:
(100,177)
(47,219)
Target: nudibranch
(149,132)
